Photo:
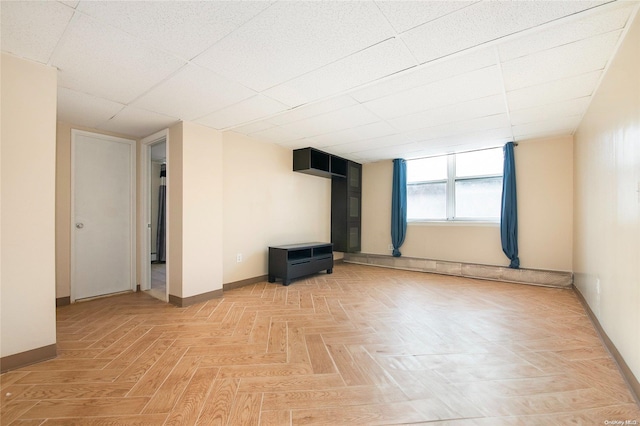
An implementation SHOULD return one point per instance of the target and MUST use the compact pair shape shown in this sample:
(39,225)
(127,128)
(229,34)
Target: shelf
(297,260)
(318,163)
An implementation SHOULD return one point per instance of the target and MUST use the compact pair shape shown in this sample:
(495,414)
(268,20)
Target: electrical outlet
(390,248)
(239,257)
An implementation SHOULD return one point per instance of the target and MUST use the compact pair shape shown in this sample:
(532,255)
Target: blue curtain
(399,205)
(509,210)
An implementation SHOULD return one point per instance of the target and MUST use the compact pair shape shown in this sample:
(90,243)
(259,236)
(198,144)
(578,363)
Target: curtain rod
(460,152)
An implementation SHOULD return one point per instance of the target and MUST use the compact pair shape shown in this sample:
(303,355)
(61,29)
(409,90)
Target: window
(465,186)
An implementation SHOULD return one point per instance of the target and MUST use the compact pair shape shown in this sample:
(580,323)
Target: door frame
(145,214)
(132,214)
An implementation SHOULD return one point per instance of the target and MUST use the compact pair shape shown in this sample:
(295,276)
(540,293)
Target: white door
(103,203)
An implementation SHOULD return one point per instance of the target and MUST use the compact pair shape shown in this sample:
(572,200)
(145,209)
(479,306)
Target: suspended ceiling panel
(369,80)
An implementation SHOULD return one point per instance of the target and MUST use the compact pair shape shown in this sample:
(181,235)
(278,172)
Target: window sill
(479,223)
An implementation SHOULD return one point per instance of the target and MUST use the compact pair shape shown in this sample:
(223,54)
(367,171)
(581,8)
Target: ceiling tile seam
(233,31)
(546,120)
(328,64)
(346,144)
(504,90)
(381,147)
(439,17)
(396,133)
(517,34)
(632,17)
(537,106)
(244,123)
(439,107)
(90,94)
(66,28)
(138,39)
(76,15)
(533,86)
(291,109)
(170,76)
(396,33)
(461,52)
(63,38)
(453,123)
(171,53)
(537,52)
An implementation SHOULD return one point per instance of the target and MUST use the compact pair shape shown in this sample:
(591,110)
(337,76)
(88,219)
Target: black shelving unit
(318,163)
(296,260)
(346,208)
(346,193)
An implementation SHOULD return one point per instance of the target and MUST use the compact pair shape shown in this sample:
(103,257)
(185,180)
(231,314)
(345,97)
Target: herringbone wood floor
(364,345)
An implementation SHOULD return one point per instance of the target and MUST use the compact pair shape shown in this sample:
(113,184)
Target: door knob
(79,225)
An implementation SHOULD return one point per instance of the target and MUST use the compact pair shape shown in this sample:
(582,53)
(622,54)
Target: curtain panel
(509,209)
(399,205)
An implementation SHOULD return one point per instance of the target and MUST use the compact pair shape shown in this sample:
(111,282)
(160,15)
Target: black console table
(296,260)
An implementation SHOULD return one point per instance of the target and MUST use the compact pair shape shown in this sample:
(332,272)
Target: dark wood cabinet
(346,209)
(346,193)
(297,260)
(318,163)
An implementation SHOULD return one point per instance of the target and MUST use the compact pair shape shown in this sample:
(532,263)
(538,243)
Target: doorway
(103,211)
(154,257)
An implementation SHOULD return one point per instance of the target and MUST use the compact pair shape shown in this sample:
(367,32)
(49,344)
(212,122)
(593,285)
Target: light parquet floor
(364,345)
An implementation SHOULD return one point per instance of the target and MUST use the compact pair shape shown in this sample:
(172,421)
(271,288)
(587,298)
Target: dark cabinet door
(346,209)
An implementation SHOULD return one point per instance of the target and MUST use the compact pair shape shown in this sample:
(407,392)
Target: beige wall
(63,204)
(202,209)
(194,179)
(174,210)
(607,181)
(27,176)
(266,203)
(544,179)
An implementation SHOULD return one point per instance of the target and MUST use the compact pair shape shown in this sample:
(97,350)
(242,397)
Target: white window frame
(450,194)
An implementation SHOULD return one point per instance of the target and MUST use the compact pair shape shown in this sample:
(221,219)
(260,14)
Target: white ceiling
(367,80)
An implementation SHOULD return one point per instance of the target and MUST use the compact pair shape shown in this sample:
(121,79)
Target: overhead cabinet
(346,193)
(318,163)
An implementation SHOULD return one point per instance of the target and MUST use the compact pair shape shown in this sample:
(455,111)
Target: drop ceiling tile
(385,153)
(334,121)
(292,38)
(370,64)
(473,85)
(473,140)
(476,108)
(185,28)
(98,59)
(553,127)
(404,15)
(192,93)
(565,33)
(572,59)
(429,73)
(84,110)
(372,143)
(569,108)
(137,122)
(32,29)
(462,127)
(70,3)
(354,134)
(554,91)
(243,112)
(311,110)
(483,22)
(278,135)
(254,127)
